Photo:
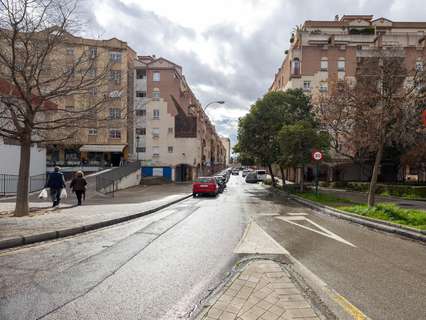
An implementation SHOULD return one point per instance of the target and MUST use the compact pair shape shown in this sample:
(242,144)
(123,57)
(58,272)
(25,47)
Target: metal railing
(9,183)
(108,181)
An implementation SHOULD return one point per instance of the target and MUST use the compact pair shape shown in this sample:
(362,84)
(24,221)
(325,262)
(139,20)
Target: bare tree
(383,107)
(37,77)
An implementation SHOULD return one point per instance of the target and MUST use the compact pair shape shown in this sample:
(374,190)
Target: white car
(261,175)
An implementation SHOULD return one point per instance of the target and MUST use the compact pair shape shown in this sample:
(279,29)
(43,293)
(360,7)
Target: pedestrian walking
(55,182)
(78,185)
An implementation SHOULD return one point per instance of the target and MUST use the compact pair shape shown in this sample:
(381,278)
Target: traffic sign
(317,155)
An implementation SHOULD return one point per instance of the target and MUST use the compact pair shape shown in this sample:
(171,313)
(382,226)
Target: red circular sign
(317,155)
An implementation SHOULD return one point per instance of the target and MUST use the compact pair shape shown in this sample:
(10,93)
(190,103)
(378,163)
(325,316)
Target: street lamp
(219,102)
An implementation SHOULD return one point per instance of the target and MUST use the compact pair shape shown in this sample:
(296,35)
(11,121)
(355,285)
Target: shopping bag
(43,194)
(63,194)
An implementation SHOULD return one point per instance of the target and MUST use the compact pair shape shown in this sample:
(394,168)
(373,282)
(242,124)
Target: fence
(9,183)
(107,182)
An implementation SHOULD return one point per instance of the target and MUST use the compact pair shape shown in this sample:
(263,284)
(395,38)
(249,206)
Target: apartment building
(104,140)
(171,134)
(227,144)
(322,53)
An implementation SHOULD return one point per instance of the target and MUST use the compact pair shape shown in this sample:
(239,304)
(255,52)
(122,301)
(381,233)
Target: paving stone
(233,308)
(253,314)
(227,316)
(292,297)
(226,298)
(301,313)
(231,292)
(293,304)
(277,310)
(268,315)
(214,313)
(283,285)
(287,291)
(264,304)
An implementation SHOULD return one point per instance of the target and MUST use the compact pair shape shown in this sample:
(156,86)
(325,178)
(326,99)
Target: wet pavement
(166,265)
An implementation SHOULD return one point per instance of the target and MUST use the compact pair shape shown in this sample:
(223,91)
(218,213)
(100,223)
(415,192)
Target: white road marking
(324,232)
(268,214)
(297,213)
(256,240)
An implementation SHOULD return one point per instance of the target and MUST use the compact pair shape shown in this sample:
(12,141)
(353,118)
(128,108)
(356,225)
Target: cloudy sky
(229,49)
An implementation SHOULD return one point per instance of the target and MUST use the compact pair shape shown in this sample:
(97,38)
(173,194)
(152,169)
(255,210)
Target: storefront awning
(102,148)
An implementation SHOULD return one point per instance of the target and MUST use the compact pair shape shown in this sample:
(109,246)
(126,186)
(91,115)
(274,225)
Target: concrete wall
(131,180)
(10,159)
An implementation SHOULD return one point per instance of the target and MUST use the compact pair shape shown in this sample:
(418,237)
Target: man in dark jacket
(55,182)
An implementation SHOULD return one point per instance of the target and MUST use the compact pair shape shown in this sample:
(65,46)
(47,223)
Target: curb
(385,226)
(24,240)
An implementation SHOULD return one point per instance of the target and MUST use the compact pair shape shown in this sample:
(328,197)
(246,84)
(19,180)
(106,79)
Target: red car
(206,185)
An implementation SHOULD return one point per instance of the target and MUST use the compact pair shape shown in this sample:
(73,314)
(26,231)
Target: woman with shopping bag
(56,184)
(78,185)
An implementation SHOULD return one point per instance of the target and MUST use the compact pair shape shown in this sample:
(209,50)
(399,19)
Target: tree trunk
(373,182)
(282,175)
(272,175)
(21,205)
(302,179)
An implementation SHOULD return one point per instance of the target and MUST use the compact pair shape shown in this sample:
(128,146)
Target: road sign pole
(316,178)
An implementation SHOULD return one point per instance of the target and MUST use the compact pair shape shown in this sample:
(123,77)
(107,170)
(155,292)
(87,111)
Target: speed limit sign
(317,155)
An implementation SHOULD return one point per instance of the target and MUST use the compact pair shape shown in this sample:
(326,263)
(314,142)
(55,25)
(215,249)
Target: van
(261,175)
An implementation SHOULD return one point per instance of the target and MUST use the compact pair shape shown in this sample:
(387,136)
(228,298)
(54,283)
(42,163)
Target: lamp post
(213,102)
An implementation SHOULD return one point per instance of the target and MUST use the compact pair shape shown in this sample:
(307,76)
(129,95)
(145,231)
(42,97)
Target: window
(115,56)
(141,113)
(323,87)
(114,113)
(156,114)
(69,71)
(114,133)
(306,86)
(93,132)
(70,51)
(419,66)
(170,130)
(91,72)
(115,75)
(295,67)
(141,149)
(156,76)
(156,151)
(155,132)
(140,94)
(140,74)
(156,94)
(116,94)
(341,65)
(141,131)
(170,149)
(324,64)
(93,52)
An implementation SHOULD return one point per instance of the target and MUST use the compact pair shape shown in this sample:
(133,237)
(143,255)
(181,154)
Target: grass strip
(390,212)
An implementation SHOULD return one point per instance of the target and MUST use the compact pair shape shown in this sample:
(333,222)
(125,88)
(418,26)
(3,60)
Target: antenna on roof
(336,17)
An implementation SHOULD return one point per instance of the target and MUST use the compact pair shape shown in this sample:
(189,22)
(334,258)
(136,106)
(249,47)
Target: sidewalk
(99,208)
(264,291)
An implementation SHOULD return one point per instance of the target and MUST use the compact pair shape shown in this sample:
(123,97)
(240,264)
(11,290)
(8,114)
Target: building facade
(102,141)
(227,144)
(322,53)
(171,134)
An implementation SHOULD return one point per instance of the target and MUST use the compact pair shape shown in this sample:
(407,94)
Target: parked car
(245,172)
(235,172)
(251,177)
(221,182)
(261,175)
(205,185)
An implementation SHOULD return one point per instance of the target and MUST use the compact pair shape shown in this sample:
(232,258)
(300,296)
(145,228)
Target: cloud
(229,50)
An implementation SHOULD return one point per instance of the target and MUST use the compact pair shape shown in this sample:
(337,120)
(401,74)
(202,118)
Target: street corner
(263,289)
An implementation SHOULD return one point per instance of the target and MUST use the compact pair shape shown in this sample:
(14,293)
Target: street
(164,265)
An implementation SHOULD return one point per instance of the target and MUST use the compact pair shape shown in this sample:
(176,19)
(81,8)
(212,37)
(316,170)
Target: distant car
(205,185)
(221,183)
(235,172)
(251,177)
(261,175)
(245,172)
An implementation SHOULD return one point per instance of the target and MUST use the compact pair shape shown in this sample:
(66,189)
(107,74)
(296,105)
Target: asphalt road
(162,265)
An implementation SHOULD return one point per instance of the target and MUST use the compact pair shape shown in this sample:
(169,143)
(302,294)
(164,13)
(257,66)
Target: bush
(338,184)
(406,191)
